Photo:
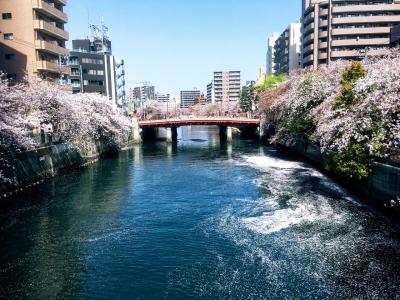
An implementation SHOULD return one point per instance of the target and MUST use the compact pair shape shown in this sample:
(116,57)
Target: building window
(96,82)
(96,72)
(92,61)
(8,36)
(7,16)
(10,56)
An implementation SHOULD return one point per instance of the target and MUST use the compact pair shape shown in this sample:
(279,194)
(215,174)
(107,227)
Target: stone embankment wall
(382,187)
(29,168)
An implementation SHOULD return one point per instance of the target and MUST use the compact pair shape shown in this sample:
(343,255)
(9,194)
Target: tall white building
(225,87)
(288,49)
(270,66)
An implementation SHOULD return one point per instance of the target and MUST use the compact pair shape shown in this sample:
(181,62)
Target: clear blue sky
(178,44)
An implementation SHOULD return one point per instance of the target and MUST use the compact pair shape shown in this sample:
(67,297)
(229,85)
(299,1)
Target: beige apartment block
(32,38)
(346,29)
(224,87)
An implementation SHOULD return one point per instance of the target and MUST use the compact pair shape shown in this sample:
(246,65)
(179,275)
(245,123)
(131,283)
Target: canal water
(196,220)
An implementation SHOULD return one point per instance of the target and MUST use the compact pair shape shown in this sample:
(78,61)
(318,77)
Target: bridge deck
(199,121)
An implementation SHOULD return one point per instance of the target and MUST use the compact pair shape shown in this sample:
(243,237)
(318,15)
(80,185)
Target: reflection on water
(196,219)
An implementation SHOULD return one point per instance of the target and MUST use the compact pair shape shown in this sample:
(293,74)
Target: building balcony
(308,38)
(49,10)
(366,20)
(324,12)
(308,49)
(322,55)
(308,59)
(323,34)
(359,31)
(52,48)
(61,2)
(323,23)
(361,42)
(309,18)
(366,8)
(308,28)
(74,63)
(51,29)
(357,53)
(51,67)
(323,45)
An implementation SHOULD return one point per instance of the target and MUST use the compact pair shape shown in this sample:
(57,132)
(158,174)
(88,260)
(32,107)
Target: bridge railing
(155,117)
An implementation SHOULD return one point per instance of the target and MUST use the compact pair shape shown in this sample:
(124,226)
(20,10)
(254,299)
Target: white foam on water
(266,162)
(280,219)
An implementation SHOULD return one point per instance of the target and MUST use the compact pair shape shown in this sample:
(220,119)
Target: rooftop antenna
(88,21)
(100,33)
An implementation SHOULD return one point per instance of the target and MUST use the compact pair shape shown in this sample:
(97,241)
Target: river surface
(196,220)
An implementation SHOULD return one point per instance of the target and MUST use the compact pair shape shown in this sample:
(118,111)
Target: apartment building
(189,98)
(95,70)
(210,93)
(202,100)
(163,97)
(270,65)
(32,39)
(144,93)
(346,29)
(288,50)
(224,87)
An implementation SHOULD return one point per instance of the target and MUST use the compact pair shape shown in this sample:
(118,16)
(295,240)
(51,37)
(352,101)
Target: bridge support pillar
(260,132)
(136,137)
(229,134)
(225,133)
(172,134)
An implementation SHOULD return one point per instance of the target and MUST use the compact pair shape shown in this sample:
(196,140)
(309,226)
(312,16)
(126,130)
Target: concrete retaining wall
(31,167)
(382,186)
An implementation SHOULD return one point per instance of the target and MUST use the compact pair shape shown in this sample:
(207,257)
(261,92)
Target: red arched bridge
(218,121)
(224,123)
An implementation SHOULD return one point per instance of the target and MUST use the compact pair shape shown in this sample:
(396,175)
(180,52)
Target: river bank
(381,188)
(30,168)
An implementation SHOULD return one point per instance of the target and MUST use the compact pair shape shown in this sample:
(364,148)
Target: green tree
(356,160)
(351,74)
(246,99)
(269,82)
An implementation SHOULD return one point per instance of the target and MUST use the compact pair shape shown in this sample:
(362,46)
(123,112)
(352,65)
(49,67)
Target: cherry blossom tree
(360,125)
(80,119)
